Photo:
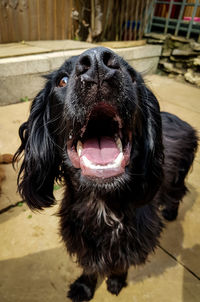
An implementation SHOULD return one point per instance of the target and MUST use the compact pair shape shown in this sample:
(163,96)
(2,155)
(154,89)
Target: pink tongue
(100,151)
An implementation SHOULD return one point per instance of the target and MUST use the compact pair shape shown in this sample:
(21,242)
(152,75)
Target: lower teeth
(113,165)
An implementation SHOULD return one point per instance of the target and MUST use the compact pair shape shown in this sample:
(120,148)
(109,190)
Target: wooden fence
(35,20)
(113,20)
(91,20)
(125,20)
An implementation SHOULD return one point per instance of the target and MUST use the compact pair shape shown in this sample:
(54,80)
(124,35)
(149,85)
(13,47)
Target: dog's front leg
(116,282)
(83,288)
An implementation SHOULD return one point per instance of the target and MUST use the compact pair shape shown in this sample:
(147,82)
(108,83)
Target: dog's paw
(80,291)
(115,284)
(170,215)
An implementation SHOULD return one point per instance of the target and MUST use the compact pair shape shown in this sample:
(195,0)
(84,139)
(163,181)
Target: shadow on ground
(45,276)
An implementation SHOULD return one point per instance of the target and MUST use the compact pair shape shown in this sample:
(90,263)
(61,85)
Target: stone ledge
(24,72)
(133,53)
(45,62)
(180,57)
(34,64)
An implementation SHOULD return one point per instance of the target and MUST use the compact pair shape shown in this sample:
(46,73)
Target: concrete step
(22,65)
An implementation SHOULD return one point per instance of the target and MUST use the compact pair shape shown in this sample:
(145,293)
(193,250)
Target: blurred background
(97,20)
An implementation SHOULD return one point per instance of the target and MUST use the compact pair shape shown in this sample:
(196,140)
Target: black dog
(99,128)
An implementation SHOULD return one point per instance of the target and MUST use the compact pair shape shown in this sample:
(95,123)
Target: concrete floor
(33,263)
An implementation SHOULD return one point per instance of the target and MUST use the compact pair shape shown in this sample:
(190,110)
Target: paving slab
(182,236)
(9,195)
(177,98)
(169,91)
(35,265)
(11,117)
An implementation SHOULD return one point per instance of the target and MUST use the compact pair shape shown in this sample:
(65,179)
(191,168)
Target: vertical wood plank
(121,21)
(51,19)
(136,20)
(118,20)
(38,19)
(64,20)
(126,21)
(131,18)
(32,20)
(25,24)
(141,19)
(59,13)
(3,23)
(54,20)
(42,20)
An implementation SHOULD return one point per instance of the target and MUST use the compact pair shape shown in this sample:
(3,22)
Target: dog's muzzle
(103,148)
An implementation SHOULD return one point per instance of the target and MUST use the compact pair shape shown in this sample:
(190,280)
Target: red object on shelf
(195,19)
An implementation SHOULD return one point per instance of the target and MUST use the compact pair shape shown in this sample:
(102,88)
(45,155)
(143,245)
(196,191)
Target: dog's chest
(101,239)
(105,242)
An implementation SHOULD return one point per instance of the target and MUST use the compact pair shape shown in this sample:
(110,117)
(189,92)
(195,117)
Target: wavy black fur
(109,224)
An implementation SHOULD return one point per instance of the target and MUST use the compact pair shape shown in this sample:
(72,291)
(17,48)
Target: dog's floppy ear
(150,165)
(40,163)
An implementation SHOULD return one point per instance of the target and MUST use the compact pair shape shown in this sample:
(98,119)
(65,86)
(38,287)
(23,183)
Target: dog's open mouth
(103,148)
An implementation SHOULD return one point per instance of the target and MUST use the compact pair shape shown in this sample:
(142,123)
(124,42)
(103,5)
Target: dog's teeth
(119,159)
(119,144)
(79,148)
(117,162)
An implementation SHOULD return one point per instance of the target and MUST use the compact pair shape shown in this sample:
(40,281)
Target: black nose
(97,65)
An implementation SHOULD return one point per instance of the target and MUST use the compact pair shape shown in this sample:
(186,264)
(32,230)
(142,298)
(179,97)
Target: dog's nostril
(109,60)
(84,64)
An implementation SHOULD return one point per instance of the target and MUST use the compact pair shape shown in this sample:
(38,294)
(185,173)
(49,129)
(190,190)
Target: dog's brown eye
(63,82)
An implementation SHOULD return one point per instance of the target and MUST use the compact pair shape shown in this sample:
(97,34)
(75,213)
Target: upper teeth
(79,148)
(119,144)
